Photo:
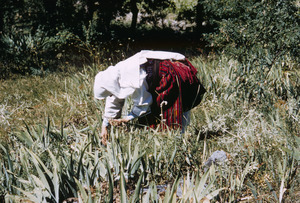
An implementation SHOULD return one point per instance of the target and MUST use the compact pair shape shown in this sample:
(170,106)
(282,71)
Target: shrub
(28,53)
(256,32)
(263,37)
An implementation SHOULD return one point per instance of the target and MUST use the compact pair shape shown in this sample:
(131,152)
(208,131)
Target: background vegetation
(50,123)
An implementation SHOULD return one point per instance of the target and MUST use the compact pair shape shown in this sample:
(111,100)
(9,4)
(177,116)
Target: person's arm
(113,110)
(141,99)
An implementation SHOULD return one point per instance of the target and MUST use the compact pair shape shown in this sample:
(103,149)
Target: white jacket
(126,79)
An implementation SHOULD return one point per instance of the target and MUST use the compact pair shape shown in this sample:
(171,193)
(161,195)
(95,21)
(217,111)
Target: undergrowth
(51,151)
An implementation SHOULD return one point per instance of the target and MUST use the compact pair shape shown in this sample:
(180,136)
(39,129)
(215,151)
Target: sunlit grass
(51,150)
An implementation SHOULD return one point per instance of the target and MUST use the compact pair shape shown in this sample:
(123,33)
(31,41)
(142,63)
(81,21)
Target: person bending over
(163,87)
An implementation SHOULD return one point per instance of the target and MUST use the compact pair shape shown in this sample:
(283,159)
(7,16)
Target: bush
(28,53)
(33,33)
(263,37)
(255,32)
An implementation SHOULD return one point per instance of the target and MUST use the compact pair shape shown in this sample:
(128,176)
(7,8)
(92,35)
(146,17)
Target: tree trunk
(135,12)
(199,17)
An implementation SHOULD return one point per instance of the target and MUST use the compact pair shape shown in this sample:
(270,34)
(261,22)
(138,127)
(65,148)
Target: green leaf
(173,155)
(42,170)
(252,188)
(29,195)
(136,195)
(272,190)
(211,195)
(83,193)
(111,183)
(123,188)
(156,142)
(80,165)
(26,138)
(174,188)
(168,195)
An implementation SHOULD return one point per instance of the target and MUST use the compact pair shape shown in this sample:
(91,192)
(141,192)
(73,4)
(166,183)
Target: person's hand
(118,122)
(104,135)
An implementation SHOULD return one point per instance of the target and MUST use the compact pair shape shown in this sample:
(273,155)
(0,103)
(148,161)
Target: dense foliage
(35,35)
(40,35)
(258,32)
(263,36)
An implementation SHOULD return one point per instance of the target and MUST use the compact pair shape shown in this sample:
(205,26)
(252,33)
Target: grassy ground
(51,151)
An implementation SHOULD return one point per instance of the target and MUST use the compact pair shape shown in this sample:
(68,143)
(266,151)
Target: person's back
(161,85)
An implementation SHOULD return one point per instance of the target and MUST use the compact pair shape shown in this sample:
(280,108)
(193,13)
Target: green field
(50,145)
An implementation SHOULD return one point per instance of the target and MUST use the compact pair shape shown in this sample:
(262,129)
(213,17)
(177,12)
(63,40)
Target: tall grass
(51,149)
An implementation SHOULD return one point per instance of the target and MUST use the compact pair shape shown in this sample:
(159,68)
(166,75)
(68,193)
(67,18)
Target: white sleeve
(142,100)
(113,109)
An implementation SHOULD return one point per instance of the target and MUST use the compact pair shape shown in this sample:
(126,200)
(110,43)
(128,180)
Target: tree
(261,29)
(151,10)
(135,11)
